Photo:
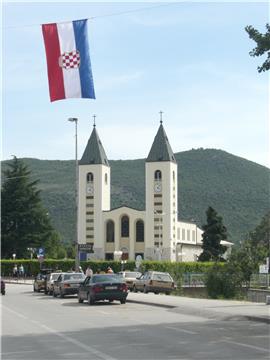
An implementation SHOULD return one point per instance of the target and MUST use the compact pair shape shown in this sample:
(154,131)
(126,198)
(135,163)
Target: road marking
(65,337)
(15,312)
(246,345)
(181,330)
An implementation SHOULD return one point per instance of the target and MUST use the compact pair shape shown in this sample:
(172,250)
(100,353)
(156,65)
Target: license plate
(110,287)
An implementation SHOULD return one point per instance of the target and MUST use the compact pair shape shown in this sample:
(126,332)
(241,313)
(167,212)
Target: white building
(154,233)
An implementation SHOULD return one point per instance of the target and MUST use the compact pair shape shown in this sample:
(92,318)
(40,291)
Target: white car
(50,278)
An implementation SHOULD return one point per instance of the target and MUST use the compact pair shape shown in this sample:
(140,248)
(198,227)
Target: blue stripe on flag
(81,39)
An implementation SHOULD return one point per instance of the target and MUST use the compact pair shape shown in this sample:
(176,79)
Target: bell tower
(161,199)
(94,194)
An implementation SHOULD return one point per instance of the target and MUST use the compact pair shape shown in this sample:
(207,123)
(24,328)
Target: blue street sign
(41,252)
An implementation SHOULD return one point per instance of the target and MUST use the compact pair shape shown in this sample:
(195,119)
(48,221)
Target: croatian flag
(68,60)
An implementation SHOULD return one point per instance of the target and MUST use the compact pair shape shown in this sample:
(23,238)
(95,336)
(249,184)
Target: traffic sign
(41,252)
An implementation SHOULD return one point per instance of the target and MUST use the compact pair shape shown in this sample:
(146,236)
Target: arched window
(110,231)
(125,226)
(140,231)
(90,177)
(158,175)
(106,179)
(173,176)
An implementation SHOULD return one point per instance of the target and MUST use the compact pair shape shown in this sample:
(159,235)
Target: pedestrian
(88,271)
(109,270)
(15,271)
(21,270)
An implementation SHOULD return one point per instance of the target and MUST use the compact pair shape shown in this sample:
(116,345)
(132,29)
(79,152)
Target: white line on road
(246,345)
(181,330)
(65,337)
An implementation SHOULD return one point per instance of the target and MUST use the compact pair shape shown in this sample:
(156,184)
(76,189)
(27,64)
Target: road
(36,326)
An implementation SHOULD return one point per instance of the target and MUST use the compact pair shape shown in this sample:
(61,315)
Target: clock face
(157,188)
(90,189)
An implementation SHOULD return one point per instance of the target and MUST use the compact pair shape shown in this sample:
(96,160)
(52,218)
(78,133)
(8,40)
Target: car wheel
(145,289)
(167,292)
(135,289)
(90,300)
(156,292)
(123,301)
(80,300)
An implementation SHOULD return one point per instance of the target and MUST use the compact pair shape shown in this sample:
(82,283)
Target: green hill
(237,188)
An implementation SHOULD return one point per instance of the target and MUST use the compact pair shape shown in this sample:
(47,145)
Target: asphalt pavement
(207,308)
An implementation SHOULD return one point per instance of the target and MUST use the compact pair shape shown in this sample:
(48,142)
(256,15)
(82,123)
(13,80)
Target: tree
(214,232)
(263,45)
(24,221)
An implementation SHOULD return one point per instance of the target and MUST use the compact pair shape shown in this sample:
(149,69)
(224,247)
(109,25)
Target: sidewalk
(25,281)
(208,308)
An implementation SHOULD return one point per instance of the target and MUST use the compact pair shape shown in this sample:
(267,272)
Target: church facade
(154,233)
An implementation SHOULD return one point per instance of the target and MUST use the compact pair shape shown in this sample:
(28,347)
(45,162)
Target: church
(126,233)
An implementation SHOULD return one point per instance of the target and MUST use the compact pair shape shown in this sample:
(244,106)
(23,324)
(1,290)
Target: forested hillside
(237,188)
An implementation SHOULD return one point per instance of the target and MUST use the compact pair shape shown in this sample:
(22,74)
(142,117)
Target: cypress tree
(214,232)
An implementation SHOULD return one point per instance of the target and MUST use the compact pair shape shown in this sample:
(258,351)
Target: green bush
(221,282)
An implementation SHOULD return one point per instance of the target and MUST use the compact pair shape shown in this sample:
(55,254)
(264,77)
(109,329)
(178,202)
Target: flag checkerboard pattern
(68,60)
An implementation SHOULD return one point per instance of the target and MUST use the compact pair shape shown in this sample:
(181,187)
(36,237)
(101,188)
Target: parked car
(130,277)
(67,283)
(50,278)
(156,282)
(103,287)
(39,282)
(3,287)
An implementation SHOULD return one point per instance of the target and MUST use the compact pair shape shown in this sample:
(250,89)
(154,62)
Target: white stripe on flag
(72,81)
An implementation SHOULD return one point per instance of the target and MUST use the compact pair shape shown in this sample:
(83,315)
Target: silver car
(49,281)
(67,283)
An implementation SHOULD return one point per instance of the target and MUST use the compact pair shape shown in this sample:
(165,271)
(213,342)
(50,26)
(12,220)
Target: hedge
(176,269)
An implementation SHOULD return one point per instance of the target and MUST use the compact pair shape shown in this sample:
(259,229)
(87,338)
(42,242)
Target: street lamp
(77,260)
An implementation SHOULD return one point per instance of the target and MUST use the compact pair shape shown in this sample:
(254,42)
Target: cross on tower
(161,112)
(94,116)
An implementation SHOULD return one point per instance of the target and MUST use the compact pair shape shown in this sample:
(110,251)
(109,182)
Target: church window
(125,226)
(109,256)
(178,234)
(106,179)
(110,231)
(158,175)
(188,235)
(90,177)
(193,235)
(173,176)
(183,234)
(140,231)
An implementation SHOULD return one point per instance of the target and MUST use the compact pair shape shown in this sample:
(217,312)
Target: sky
(188,59)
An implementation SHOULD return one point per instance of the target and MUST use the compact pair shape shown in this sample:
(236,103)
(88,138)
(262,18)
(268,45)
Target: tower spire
(94,123)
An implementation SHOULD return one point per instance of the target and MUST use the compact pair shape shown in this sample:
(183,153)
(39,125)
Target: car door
(84,287)
(57,284)
(141,281)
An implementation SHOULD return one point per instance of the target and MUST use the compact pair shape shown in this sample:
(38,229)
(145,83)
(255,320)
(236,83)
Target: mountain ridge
(237,188)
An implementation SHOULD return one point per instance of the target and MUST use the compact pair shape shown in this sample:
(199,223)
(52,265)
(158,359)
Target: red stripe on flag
(55,73)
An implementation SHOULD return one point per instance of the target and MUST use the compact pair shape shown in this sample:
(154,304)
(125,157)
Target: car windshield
(106,278)
(79,276)
(132,274)
(55,276)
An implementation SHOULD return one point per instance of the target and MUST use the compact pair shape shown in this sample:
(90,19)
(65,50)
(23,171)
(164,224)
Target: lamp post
(77,260)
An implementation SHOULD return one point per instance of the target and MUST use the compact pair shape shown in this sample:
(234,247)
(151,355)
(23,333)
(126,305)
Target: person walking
(109,270)
(15,271)
(21,270)
(88,271)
